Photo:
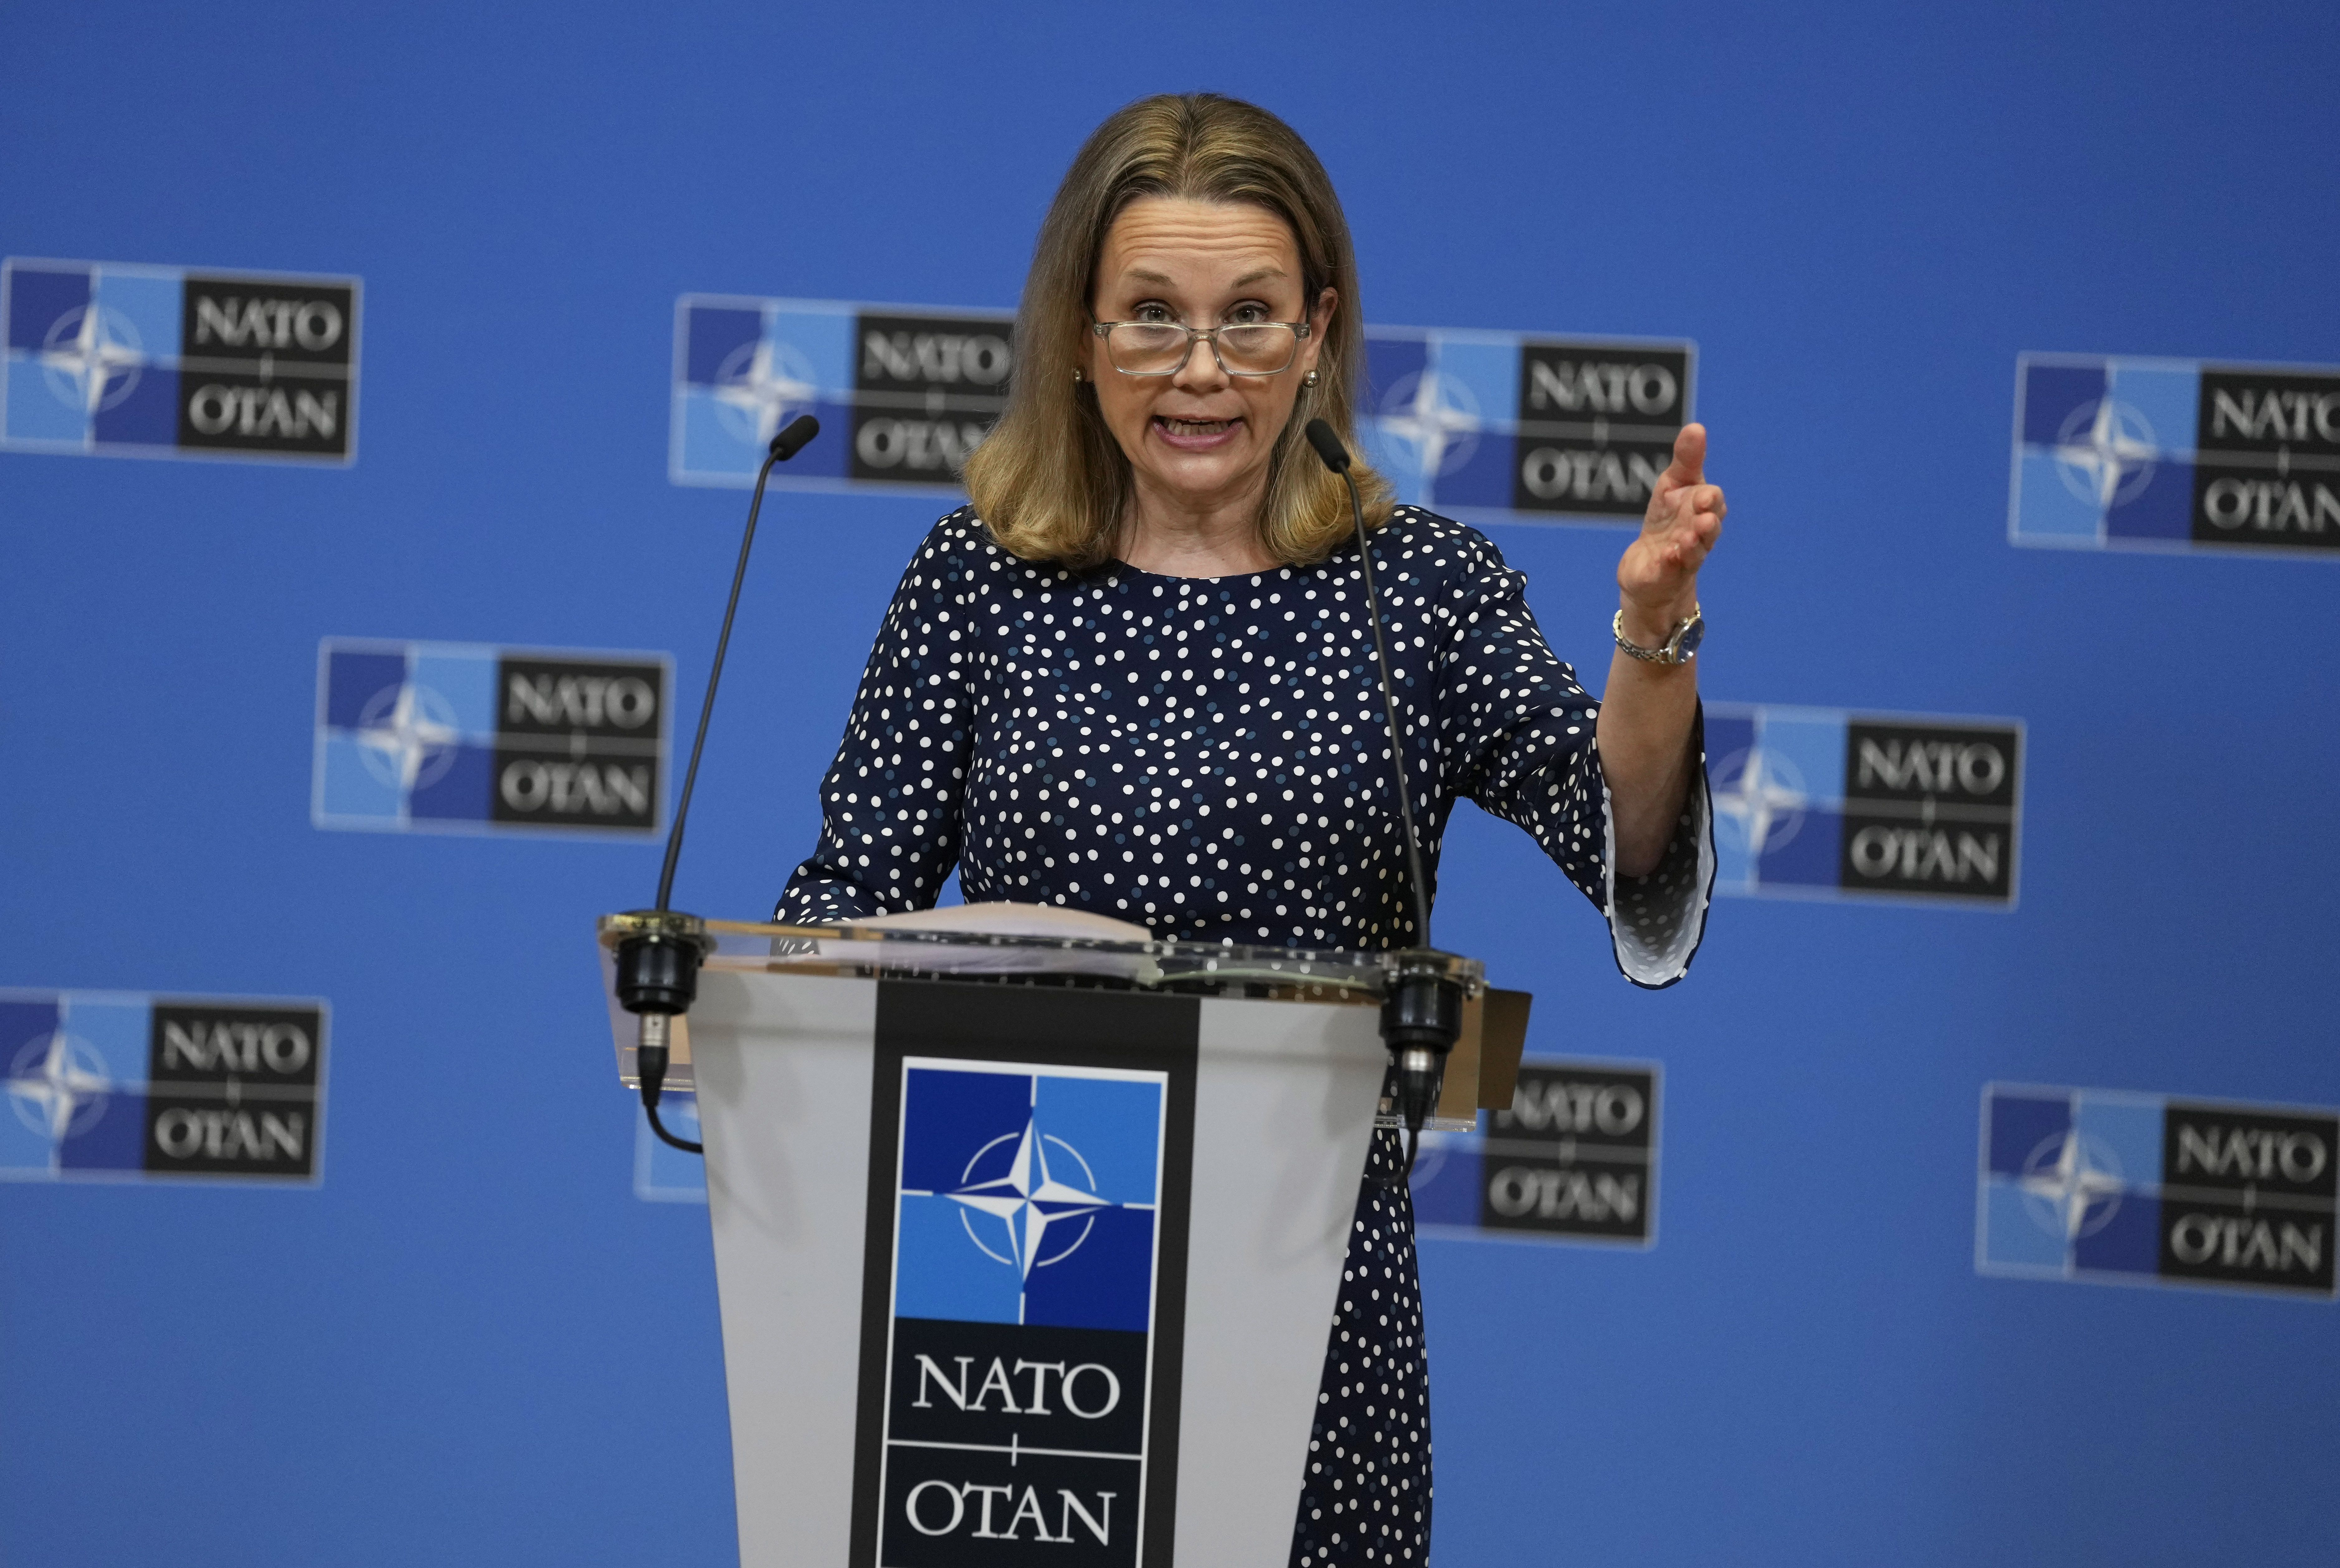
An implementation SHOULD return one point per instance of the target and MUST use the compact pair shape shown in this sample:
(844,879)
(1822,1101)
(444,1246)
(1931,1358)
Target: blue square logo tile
(2050,506)
(454,783)
(2127,1130)
(44,305)
(2128,1240)
(356,682)
(1482,480)
(2053,395)
(2160,506)
(143,412)
(1388,362)
(2012,1237)
(114,1140)
(146,306)
(718,339)
(2019,1126)
(44,406)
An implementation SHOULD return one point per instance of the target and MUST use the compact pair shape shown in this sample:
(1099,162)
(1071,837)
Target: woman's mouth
(1196,434)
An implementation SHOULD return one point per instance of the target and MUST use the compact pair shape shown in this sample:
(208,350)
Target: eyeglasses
(1161,348)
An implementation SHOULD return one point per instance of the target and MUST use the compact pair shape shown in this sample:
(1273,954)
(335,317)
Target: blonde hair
(1050,480)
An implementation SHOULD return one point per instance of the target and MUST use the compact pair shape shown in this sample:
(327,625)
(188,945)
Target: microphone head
(1328,446)
(791,440)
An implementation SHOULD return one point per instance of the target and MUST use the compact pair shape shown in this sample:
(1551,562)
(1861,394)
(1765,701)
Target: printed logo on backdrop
(1023,1300)
(1502,427)
(2129,453)
(1814,802)
(108,1086)
(1575,1158)
(902,393)
(161,361)
(2146,1189)
(456,737)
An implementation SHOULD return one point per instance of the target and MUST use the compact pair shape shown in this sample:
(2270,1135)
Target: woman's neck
(1178,537)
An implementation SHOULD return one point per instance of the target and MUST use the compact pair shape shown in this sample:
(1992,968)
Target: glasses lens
(1146,348)
(1261,350)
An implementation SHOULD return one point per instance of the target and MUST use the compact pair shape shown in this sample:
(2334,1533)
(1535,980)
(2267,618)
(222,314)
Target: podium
(1027,1246)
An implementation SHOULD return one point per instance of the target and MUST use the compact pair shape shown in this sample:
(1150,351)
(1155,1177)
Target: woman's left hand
(1659,574)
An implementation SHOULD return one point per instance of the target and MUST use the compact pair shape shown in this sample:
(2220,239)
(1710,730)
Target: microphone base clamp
(658,964)
(1421,1018)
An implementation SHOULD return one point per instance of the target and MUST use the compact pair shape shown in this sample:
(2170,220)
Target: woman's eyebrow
(1163,280)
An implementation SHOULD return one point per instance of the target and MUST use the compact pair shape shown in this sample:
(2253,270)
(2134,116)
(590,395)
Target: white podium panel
(1024,1273)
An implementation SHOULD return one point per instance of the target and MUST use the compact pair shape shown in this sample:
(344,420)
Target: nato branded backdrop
(370,437)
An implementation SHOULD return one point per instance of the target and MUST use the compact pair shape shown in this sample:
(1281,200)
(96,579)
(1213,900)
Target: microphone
(1421,1015)
(658,960)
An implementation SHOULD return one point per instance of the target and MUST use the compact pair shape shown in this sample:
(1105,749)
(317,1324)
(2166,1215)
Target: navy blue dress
(1207,757)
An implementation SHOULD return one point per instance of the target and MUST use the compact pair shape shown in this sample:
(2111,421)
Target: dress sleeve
(891,824)
(1520,728)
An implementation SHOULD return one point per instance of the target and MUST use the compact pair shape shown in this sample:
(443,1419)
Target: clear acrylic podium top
(1037,947)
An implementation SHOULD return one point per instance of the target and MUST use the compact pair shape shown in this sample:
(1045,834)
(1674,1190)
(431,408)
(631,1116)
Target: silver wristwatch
(1679,648)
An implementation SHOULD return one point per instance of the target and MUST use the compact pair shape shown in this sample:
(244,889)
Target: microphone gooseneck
(658,964)
(1421,1014)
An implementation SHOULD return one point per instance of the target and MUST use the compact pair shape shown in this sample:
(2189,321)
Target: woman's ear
(1320,321)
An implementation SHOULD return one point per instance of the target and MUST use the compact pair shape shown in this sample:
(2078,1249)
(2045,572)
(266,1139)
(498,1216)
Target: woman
(1134,677)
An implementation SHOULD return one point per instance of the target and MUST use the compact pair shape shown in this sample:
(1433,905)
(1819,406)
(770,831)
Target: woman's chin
(1202,477)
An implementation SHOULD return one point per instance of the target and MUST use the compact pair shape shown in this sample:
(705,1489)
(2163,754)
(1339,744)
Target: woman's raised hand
(1659,573)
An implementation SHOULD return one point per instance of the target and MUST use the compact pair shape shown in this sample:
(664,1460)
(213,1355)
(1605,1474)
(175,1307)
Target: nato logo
(108,1086)
(2127,453)
(1499,427)
(1024,1264)
(453,736)
(1814,802)
(2143,1189)
(902,393)
(1575,1159)
(160,361)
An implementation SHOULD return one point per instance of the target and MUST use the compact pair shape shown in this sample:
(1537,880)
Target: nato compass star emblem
(2105,452)
(2072,1185)
(92,358)
(1028,1210)
(1436,415)
(1762,796)
(407,735)
(760,384)
(58,1086)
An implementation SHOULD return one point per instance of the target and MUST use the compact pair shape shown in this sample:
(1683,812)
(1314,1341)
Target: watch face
(1687,639)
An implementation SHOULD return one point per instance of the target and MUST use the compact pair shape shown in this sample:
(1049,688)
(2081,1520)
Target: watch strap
(1670,651)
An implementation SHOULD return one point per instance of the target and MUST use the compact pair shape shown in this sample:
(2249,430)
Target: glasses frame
(1301,331)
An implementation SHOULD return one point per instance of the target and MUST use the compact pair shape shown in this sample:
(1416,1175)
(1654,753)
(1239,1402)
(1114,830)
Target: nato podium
(1027,1244)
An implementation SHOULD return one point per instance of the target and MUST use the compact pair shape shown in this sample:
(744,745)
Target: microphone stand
(658,963)
(1421,1014)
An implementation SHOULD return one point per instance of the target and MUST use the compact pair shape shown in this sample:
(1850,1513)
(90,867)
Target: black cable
(685,1145)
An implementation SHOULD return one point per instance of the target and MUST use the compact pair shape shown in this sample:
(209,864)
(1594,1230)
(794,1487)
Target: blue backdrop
(473,1344)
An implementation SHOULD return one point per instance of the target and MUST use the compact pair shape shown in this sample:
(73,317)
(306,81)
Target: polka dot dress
(1366,1495)
(1207,757)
